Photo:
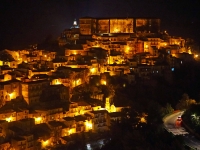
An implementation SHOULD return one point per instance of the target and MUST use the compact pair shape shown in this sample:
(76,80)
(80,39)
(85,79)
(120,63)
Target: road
(170,125)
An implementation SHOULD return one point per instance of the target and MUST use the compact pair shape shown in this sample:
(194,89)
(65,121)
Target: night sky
(26,22)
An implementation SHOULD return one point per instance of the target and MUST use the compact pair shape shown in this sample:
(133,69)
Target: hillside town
(50,94)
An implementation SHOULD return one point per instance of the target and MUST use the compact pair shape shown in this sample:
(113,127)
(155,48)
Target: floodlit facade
(89,26)
(37,86)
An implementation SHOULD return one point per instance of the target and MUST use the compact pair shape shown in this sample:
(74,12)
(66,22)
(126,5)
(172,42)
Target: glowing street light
(103,82)
(92,70)
(11,95)
(70,131)
(38,120)
(88,125)
(9,119)
(45,143)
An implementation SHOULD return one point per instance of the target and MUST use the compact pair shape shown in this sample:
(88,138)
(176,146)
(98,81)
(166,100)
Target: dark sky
(24,22)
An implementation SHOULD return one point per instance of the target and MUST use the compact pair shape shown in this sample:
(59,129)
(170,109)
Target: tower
(107,104)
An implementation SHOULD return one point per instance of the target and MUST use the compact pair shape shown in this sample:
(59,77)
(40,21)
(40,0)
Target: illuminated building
(59,62)
(18,143)
(107,104)
(154,42)
(32,90)
(56,128)
(89,25)
(80,123)
(100,120)
(74,49)
(10,90)
(8,115)
(30,142)
(176,41)
(115,116)
(5,145)
(55,92)
(139,46)
(70,123)
(147,25)
(69,34)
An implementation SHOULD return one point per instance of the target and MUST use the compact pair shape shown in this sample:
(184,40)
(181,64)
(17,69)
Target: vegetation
(185,102)
(192,117)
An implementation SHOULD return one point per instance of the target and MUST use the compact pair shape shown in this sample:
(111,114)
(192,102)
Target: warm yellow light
(146,46)
(78,81)
(127,49)
(58,82)
(9,119)
(45,55)
(143,120)
(165,44)
(74,53)
(103,82)
(70,131)
(196,55)
(38,119)
(88,125)
(11,95)
(45,143)
(92,70)
(116,30)
(113,108)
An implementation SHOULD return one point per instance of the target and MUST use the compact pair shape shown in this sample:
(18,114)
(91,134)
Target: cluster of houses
(36,107)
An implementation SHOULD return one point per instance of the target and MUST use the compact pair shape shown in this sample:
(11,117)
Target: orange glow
(45,143)
(12,95)
(9,119)
(103,82)
(116,30)
(58,82)
(88,125)
(71,131)
(92,70)
(38,120)
(127,49)
(143,120)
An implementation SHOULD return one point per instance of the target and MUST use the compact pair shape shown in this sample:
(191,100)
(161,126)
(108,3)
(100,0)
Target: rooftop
(79,118)
(69,118)
(18,138)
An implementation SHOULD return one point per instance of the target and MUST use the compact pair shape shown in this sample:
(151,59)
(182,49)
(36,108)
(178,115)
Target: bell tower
(107,104)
